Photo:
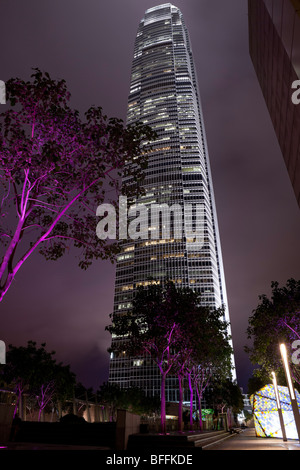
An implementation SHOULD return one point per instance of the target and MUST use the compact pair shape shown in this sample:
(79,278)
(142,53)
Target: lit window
(138,362)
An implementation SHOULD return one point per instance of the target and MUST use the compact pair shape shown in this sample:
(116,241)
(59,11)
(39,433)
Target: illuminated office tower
(164,95)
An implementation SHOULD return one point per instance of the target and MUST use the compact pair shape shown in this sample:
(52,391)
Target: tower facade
(164,95)
(274,44)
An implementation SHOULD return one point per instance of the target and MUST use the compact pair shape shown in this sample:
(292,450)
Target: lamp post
(279,409)
(290,387)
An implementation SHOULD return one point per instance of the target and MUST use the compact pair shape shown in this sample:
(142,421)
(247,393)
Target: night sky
(90,44)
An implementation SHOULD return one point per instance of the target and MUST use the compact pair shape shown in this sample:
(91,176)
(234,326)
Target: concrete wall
(6,418)
(127,423)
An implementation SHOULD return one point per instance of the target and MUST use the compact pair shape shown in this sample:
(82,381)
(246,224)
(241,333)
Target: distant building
(244,415)
(274,39)
(164,94)
(247,403)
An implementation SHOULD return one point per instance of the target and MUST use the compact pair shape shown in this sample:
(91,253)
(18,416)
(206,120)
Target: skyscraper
(164,95)
(274,43)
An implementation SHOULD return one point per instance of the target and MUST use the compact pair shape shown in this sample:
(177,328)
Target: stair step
(204,435)
(175,440)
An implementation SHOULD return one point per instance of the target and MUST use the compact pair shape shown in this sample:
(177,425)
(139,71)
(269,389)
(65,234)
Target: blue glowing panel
(265,413)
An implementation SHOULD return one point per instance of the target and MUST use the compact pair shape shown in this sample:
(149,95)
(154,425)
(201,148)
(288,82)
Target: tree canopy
(225,394)
(182,337)
(56,169)
(275,320)
(34,370)
(132,399)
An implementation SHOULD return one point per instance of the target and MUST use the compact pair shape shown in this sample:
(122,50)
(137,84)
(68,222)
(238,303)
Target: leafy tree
(224,394)
(140,404)
(171,327)
(55,170)
(81,395)
(207,340)
(64,381)
(274,321)
(19,371)
(112,395)
(180,369)
(152,328)
(33,370)
(132,399)
(255,383)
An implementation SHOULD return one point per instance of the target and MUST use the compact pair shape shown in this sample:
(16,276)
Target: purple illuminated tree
(34,370)
(152,329)
(19,370)
(182,337)
(275,320)
(55,170)
(207,340)
(54,383)
(45,394)
(180,369)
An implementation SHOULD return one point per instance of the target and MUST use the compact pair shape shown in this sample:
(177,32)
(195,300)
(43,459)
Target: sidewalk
(41,446)
(247,440)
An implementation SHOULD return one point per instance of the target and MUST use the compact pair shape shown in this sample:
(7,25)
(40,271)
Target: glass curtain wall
(164,95)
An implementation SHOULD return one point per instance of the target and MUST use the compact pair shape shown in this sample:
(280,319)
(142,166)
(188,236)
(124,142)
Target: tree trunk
(200,411)
(191,402)
(6,285)
(24,414)
(87,408)
(163,404)
(59,409)
(18,405)
(74,405)
(8,259)
(180,403)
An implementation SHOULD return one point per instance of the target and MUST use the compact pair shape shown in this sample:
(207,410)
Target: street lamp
(290,387)
(279,409)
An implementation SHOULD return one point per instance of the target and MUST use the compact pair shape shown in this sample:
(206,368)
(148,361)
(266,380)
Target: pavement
(247,440)
(41,446)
